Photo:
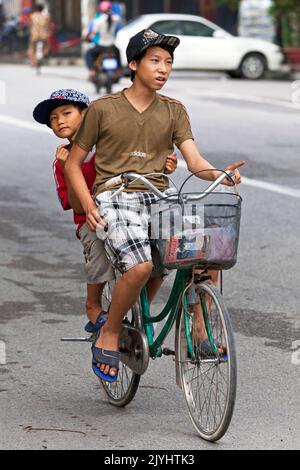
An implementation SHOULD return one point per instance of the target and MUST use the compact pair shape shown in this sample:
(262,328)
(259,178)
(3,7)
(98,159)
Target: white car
(206,46)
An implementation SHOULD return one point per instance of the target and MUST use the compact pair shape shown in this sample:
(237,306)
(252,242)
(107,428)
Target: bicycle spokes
(208,375)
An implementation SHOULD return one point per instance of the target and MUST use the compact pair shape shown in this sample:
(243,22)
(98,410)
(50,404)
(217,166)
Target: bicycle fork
(192,304)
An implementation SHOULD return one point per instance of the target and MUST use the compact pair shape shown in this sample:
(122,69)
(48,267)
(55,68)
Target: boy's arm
(196,163)
(62,154)
(61,185)
(76,179)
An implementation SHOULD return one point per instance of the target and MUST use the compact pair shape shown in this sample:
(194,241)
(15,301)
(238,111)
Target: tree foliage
(283,7)
(233,4)
(287,18)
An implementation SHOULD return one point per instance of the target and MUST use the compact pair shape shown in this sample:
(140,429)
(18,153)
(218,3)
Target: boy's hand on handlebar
(93,218)
(237,176)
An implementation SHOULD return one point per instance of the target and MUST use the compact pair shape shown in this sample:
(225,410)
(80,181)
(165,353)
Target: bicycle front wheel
(208,378)
(121,392)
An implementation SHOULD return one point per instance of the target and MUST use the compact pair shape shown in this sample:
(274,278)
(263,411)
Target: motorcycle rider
(103,32)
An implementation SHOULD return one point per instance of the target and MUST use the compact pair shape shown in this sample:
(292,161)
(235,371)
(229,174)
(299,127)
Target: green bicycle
(205,357)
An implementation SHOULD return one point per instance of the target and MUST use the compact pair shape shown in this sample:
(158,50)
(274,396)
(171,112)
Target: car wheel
(253,66)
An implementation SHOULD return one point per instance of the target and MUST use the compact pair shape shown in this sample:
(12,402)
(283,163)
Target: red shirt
(89,173)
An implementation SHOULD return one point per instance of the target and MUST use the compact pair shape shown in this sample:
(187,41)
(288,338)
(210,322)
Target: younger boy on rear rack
(63,113)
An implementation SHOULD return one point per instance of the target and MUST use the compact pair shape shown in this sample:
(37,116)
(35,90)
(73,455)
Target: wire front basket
(202,233)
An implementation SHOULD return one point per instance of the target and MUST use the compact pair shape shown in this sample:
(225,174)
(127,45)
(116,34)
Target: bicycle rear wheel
(121,392)
(208,380)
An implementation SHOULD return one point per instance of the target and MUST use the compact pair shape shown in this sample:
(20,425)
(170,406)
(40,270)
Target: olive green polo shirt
(127,140)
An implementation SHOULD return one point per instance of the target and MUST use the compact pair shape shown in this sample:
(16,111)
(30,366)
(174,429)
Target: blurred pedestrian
(40,30)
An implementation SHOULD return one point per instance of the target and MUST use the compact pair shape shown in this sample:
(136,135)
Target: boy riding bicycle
(133,130)
(63,113)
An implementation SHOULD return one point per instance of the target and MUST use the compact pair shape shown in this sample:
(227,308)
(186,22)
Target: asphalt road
(49,398)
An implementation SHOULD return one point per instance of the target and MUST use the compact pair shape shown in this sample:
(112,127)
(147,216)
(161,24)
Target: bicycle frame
(170,310)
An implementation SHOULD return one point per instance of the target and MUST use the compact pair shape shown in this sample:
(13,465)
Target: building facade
(11,7)
(73,15)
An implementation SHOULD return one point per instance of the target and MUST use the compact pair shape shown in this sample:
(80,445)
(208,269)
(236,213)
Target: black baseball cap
(148,38)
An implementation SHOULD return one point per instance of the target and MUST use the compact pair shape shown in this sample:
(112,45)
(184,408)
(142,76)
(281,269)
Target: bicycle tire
(209,385)
(121,392)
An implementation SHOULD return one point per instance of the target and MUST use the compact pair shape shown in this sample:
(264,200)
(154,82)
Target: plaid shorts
(127,241)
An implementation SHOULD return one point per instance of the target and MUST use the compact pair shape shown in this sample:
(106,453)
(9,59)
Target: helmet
(104,7)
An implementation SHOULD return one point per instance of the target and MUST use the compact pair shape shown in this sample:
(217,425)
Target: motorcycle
(106,71)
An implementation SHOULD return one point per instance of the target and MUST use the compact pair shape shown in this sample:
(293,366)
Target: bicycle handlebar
(124,177)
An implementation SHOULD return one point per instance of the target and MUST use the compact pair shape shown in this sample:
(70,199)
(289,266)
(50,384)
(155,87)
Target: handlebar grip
(113,181)
(229,173)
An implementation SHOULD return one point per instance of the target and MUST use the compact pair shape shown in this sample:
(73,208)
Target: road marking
(247,98)
(275,188)
(31,126)
(2,353)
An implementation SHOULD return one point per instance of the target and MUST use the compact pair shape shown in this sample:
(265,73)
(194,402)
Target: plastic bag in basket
(222,244)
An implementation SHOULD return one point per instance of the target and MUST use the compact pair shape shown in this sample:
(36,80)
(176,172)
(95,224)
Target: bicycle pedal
(168,352)
(89,339)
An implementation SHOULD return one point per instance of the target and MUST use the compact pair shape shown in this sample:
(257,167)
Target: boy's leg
(93,301)
(153,286)
(199,329)
(199,333)
(125,294)
(158,274)
(98,271)
(127,245)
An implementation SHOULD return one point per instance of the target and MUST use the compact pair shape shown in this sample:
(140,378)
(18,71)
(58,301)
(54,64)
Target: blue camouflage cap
(58,98)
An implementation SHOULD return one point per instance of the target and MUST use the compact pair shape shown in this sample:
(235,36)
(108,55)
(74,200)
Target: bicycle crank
(134,350)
